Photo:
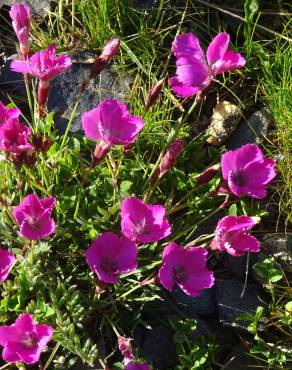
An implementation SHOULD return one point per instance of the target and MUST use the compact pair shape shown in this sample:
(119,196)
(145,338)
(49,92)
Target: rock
(253,130)
(238,264)
(204,305)
(231,305)
(66,87)
(37,7)
(278,246)
(157,346)
(11,83)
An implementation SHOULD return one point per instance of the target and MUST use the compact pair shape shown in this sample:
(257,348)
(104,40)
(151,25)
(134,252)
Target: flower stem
(52,355)
(171,137)
(70,122)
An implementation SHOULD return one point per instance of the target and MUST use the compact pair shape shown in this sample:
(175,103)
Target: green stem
(192,228)
(5,366)
(171,137)
(70,122)
(52,355)
(26,80)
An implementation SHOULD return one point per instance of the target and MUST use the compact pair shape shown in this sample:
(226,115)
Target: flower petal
(217,48)
(183,90)
(20,66)
(187,45)
(196,282)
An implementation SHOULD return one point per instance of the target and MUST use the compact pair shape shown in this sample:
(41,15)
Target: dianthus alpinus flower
(185,267)
(133,365)
(110,124)
(8,113)
(194,70)
(231,236)
(14,137)
(109,257)
(46,66)
(247,171)
(25,340)
(7,260)
(142,222)
(20,15)
(33,216)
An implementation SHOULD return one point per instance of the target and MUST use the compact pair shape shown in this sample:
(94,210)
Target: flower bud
(125,347)
(153,94)
(20,16)
(208,174)
(110,50)
(170,157)
(100,152)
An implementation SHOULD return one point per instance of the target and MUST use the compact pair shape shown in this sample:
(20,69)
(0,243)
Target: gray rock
(66,88)
(253,130)
(238,265)
(204,305)
(231,305)
(38,7)
(11,83)
(157,346)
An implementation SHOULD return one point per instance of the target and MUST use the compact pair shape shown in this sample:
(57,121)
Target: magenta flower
(44,65)
(185,267)
(20,15)
(170,157)
(194,70)
(7,260)
(14,137)
(109,256)
(8,113)
(142,222)
(133,365)
(110,124)
(25,340)
(231,236)
(247,171)
(33,216)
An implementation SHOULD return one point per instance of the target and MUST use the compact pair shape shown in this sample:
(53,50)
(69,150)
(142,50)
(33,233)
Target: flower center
(108,265)
(239,178)
(141,227)
(180,274)
(29,340)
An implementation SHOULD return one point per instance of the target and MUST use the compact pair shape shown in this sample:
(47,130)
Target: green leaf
(233,210)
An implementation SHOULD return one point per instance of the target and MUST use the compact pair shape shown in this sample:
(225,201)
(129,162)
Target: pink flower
(111,124)
(125,347)
(231,236)
(7,260)
(142,222)
(20,15)
(133,365)
(185,267)
(170,157)
(8,113)
(248,171)
(109,256)
(14,137)
(44,65)
(25,340)
(194,70)
(33,216)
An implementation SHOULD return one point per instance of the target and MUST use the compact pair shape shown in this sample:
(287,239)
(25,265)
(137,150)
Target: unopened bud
(125,347)
(208,174)
(43,94)
(170,157)
(153,94)
(110,50)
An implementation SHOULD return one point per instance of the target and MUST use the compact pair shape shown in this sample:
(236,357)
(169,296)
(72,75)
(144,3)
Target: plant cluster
(66,212)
